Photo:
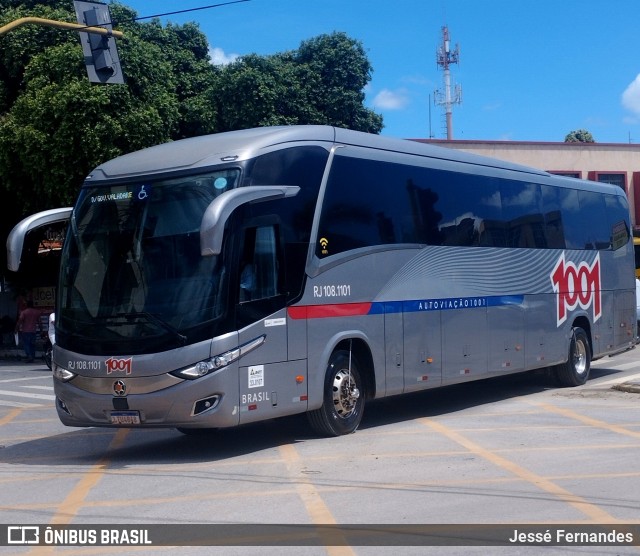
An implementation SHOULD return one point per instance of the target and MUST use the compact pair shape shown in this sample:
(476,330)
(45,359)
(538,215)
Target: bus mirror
(218,212)
(15,241)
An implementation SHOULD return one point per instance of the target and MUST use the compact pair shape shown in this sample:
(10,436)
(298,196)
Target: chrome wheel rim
(580,357)
(345,394)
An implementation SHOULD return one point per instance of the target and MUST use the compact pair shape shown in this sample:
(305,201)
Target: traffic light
(100,52)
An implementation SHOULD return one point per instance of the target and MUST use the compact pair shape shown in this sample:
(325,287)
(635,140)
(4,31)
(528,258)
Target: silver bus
(243,276)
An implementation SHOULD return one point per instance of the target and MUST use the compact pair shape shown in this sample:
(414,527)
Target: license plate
(125,417)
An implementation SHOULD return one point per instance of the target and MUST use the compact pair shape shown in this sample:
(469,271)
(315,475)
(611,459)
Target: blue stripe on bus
(444,304)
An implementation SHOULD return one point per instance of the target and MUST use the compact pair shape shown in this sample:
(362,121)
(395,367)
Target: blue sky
(530,70)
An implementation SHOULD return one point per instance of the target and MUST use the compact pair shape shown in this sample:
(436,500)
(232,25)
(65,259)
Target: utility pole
(445,56)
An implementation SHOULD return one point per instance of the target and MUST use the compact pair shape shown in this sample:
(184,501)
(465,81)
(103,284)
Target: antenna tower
(445,56)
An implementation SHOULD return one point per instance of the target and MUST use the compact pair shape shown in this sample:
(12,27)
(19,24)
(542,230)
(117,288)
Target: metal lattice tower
(445,56)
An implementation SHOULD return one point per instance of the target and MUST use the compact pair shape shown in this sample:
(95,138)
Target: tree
(336,72)
(55,126)
(579,136)
(20,46)
(187,51)
(320,83)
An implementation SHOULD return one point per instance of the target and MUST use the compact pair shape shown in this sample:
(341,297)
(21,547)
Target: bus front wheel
(576,370)
(343,398)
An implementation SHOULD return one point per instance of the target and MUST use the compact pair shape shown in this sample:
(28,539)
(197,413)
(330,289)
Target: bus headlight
(203,368)
(62,374)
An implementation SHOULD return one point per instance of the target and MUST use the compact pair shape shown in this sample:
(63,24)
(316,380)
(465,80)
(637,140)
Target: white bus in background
(243,276)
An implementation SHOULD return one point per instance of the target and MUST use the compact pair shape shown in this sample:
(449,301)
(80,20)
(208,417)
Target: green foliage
(34,4)
(62,126)
(336,72)
(18,47)
(55,126)
(579,136)
(320,83)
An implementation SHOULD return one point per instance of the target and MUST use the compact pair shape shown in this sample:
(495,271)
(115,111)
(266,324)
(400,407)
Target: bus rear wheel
(575,371)
(343,398)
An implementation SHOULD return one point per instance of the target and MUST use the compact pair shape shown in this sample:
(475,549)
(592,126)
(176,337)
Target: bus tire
(575,371)
(47,356)
(343,398)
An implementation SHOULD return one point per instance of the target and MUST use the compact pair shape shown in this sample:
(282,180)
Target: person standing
(28,325)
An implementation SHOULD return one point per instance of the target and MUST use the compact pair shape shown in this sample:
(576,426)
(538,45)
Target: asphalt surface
(502,452)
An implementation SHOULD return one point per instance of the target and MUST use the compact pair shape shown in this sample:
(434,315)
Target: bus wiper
(156,320)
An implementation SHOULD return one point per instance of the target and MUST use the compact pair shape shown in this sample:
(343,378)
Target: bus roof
(188,155)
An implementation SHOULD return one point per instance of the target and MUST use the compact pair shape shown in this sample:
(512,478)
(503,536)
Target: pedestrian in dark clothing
(28,324)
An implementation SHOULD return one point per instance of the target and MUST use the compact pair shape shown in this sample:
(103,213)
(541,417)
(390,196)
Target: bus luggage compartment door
(625,317)
(394,352)
(465,340)
(423,350)
(506,338)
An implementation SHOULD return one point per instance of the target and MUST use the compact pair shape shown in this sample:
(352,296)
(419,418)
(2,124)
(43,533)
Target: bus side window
(259,278)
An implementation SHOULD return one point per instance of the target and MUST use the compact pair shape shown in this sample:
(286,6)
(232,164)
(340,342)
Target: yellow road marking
(587,420)
(10,416)
(314,504)
(70,506)
(592,511)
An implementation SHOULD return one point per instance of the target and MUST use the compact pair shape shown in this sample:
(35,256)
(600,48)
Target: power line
(192,9)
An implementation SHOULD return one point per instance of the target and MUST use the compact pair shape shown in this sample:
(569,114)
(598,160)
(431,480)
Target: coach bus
(243,276)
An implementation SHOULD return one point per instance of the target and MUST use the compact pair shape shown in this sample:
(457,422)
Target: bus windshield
(133,274)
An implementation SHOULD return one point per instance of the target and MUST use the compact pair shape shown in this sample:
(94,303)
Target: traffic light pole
(60,25)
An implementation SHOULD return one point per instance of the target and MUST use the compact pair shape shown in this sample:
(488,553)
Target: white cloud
(492,107)
(220,58)
(631,96)
(391,100)
(418,80)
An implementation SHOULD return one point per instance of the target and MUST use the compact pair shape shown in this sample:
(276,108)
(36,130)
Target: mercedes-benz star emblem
(119,388)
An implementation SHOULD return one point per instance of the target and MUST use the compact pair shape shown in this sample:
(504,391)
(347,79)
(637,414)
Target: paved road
(515,450)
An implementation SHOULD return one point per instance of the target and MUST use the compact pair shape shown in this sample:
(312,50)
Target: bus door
(270,385)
